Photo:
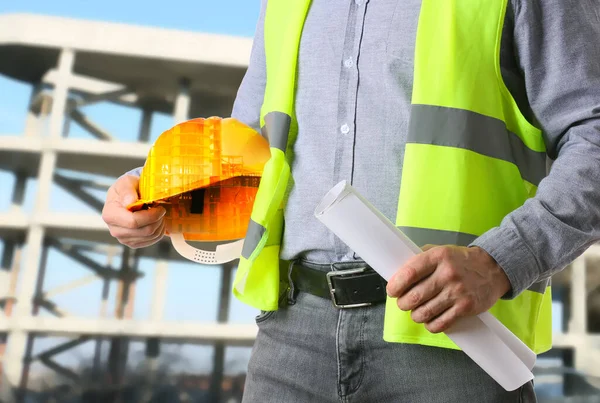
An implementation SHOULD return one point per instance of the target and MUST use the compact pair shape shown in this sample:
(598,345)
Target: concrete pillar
(110,254)
(222,317)
(578,322)
(145,126)
(10,263)
(32,121)
(119,345)
(18,192)
(17,340)
(182,102)
(61,92)
(159,295)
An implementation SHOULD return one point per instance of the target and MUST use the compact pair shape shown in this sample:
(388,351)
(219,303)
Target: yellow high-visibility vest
(471,156)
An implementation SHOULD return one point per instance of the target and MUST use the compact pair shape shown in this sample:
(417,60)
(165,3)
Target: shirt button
(345,129)
(348,63)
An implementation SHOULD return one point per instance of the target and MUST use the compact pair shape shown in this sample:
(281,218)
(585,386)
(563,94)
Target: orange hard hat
(205,172)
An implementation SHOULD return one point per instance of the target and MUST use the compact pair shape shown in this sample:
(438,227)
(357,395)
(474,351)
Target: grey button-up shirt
(353,101)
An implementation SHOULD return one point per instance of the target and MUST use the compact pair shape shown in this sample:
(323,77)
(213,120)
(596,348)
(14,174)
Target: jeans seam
(521,394)
(263,316)
(362,354)
(292,289)
(339,362)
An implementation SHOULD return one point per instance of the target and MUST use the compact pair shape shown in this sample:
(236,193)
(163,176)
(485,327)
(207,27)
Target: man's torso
(354,88)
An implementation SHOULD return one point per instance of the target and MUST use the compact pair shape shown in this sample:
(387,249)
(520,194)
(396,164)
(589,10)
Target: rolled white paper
(385,248)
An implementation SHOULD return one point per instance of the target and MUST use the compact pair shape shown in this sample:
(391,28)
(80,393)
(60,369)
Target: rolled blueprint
(385,248)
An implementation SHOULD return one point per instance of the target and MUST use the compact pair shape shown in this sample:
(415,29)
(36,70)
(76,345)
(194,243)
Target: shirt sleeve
(134,172)
(251,92)
(557,48)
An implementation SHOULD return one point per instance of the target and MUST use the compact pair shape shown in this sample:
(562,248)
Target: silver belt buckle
(340,273)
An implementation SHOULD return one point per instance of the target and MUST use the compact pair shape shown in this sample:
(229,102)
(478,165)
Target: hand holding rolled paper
(385,248)
(445,283)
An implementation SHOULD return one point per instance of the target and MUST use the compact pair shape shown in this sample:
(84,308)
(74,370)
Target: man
(490,88)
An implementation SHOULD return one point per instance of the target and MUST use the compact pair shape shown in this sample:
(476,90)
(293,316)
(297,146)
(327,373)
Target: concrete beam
(20,144)
(572,340)
(59,369)
(66,287)
(61,348)
(92,128)
(109,96)
(91,184)
(142,329)
(18,153)
(51,307)
(74,187)
(93,87)
(105,149)
(122,39)
(100,270)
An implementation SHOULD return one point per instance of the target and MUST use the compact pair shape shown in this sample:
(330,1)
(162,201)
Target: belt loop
(292,290)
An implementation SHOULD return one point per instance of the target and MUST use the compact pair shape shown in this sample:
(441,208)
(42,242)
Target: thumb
(126,188)
(424,248)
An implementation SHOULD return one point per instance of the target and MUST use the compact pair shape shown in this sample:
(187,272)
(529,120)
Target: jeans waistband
(347,265)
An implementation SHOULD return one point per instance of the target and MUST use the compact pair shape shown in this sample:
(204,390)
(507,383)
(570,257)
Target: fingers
(122,193)
(114,214)
(422,292)
(134,229)
(445,283)
(444,321)
(410,273)
(124,224)
(136,243)
(431,309)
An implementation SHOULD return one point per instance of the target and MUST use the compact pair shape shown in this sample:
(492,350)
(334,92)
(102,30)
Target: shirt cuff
(134,172)
(512,254)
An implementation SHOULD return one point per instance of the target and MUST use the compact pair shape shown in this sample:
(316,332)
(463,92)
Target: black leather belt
(351,288)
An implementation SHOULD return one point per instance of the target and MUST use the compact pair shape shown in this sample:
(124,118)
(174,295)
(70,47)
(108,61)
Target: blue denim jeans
(313,352)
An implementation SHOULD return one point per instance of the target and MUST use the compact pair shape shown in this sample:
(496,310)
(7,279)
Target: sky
(192,289)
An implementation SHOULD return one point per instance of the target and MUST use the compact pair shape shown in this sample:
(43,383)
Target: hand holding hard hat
(205,173)
(136,230)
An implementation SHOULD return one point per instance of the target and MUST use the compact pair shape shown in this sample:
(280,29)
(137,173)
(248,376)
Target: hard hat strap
(223,254)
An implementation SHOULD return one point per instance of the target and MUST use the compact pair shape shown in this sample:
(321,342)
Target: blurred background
(85,88)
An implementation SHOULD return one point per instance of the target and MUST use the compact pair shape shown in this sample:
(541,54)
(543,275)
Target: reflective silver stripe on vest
(253,236)
(482,134)
(423,236)
(276,129)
